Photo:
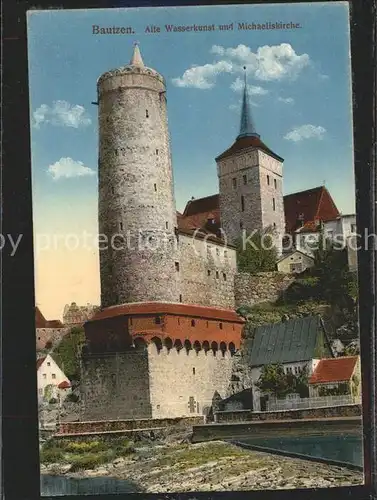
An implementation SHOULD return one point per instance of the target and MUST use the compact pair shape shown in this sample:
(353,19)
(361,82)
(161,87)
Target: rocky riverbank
(214,466)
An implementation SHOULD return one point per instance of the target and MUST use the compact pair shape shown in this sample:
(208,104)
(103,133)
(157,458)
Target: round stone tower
(137,214)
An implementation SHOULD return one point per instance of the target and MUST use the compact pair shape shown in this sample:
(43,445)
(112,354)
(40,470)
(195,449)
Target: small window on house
(192,322)
(220,326)
(268,180)
(48,363)
(53,375)
(193,371)
(158,407)
(157,320)
(273,204)
(44,375)
(234,180)
(224,276)
(275,183)
(155,187)
(146,113)
(217,274)
(244,179)
(177,266)
(242,204)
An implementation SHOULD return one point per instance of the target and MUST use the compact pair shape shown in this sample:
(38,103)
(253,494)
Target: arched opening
(188,346)
(139,343)
(168,343)
(214,347)
(206,346)
(192,322)
(232,348)
(178,345)
(223,348)
(197,346)
(157,342)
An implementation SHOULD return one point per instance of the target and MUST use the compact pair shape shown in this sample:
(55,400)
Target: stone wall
(115,386)
(119,425)
(154,381)
(250,416)
(185,383)
(45,336)
(253,289)
(206,272)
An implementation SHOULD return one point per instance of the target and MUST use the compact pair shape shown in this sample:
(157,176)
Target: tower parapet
(137,211)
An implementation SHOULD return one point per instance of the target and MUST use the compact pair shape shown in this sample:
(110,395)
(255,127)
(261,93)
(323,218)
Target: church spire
(247,127)
(136,59)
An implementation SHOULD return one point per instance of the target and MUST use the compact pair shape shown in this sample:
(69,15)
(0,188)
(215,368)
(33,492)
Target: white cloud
(286,100)
(61,113)
(67,168)
(268,63)
(203,77)
(305,132)
(238,85)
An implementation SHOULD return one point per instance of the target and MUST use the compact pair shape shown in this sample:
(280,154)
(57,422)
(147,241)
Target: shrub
(51,455)
(89,460)
(85,447)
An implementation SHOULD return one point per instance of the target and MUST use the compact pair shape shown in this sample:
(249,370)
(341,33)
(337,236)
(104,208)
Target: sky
(299,82)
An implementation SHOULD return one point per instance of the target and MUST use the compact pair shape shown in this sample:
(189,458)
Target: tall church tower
(137,214)
(250,183)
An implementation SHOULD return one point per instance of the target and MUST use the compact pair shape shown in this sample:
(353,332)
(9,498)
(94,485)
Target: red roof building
(336,377)
(171,323)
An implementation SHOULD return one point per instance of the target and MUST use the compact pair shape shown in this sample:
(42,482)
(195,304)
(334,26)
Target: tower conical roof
(136,59)
(247,128)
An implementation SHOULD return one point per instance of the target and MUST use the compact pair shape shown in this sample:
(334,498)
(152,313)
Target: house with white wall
(298,344)
(52,381)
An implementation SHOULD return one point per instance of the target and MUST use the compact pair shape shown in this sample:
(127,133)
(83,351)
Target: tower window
(167,225)
(217,251)
(157,320)
(180,298)
(121,226)
(224,276)
(157,152)
(112,190)
(275,183)
(242,204)
(274,225)
(192,322)
(193,371)
(146,113)
(268,180)
(241,224)
(244,179)
(225,254)
(220,326)
(273,204)
(177,266)
(209,272)
(155,187)
(234,180)
(207,324)
(217,274)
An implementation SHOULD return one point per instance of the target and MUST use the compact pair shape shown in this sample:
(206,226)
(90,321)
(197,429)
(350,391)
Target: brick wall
(253,289)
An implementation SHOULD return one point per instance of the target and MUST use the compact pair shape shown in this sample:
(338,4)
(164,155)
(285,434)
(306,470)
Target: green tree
(67,354)
(273,380)
(256,252)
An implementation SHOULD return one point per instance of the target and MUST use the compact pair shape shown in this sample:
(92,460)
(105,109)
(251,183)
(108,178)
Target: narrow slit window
(244,179)
(155,187)
(177,266)
(268,179)
(112,190)
(146,113)
(275,183)
(234,182)
(157,152)
(273,204)
(167,225)
(121,226)
(242,204)
(180,298)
